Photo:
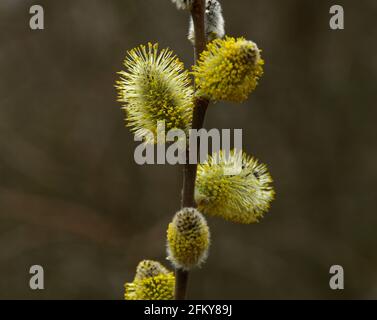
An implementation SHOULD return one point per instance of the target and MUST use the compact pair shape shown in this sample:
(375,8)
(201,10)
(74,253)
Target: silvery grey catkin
(214,22)
(183,4)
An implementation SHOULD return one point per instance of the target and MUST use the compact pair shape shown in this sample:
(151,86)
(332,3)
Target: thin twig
(200,108)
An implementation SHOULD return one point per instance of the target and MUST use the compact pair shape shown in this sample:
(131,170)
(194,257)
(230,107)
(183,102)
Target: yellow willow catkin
(149,268)
(229,69)
(155,87)
(152,282)
(243,197)
(188,239)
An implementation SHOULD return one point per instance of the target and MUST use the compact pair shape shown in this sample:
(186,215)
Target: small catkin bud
(152,282)
(188,239)
(214,22)
(183,4)
(229,69)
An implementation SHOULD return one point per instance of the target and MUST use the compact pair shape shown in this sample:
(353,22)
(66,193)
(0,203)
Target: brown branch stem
(200,108)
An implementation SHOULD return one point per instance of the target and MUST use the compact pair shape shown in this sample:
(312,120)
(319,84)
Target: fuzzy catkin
(155,88)
(229,69)
(188,239)
(214,22)
(152,282)
(183,4)
(243,197)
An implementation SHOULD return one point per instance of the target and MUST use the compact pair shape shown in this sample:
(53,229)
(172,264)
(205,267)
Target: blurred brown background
(73,200)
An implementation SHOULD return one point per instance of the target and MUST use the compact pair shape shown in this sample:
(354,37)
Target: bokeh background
(73,200)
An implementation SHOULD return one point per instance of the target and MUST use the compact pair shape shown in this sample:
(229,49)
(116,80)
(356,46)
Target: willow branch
(200,108)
